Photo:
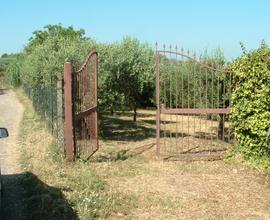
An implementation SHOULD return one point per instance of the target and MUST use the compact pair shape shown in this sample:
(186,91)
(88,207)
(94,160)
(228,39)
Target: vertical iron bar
(96,102)
(200,96)
(188,96)
(194,88)
(218,101)
(182,89)
(176,79)
(176,98)
(212,99)
(165,100)
(206,97)
(170,78)
(223,115)
(158,104)
(229,97)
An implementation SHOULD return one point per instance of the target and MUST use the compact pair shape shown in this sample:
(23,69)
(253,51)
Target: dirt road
(11,111)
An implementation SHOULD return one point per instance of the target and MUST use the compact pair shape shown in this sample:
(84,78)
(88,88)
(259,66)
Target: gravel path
(11,111)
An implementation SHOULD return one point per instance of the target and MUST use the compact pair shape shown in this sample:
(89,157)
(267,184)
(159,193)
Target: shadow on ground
(117,129)
(122,155)
(124,130)
(27,197)
(3,91)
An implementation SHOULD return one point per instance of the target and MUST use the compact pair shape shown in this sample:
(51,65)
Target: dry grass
(126,173)
(177,189)
(55,189)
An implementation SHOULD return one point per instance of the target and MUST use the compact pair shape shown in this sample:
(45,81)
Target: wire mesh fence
(48,103)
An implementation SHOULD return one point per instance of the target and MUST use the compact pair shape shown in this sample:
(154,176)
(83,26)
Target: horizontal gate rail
(86,112)
(195,111)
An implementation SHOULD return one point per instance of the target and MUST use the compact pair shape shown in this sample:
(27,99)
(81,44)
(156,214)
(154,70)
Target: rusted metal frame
(212,100)
(182,88)
(171,100)
(188,95)
(209,93)
(194,156)
(84,82)
(200,97)
(84,110)
(165,104)
(96,101)
(217,104)
(194,111)
(223,104)
(83,114)
(80,77)
(88,57)
(82,143)
(158,103)
(206,97)
(230,91)
(69,131)
(176,100)
(190,58)
(194,93)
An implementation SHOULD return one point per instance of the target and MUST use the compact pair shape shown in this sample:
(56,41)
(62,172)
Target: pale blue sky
(189,23)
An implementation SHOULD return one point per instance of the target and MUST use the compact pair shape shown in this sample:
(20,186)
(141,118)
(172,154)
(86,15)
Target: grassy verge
(236,155)
(124,181)
(55,189)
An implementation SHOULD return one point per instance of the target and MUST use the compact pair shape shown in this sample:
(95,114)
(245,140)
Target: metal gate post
(158,104)
(69,137)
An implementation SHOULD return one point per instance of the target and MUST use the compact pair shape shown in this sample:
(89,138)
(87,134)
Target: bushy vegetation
(126,75)
(127,79)
(9,63)
(251,103)
(126,71)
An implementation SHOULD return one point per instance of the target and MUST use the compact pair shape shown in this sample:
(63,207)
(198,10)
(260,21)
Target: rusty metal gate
(193,105)
(83,115)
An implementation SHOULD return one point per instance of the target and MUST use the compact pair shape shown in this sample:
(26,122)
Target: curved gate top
(193,105)
(84,108)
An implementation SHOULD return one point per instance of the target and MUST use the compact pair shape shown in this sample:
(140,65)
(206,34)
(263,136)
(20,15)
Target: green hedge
(251,102)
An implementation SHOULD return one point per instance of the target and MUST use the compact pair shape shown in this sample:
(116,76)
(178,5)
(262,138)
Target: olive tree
(127,74)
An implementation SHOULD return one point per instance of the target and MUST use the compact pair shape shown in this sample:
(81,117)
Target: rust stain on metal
(85,99)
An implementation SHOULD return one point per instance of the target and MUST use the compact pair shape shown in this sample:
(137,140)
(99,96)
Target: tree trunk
(221,126)
(135,114)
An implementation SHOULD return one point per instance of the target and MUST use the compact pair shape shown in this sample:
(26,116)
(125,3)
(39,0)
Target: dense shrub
(251,102)
(43,61)
(126,68)
(13,72)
